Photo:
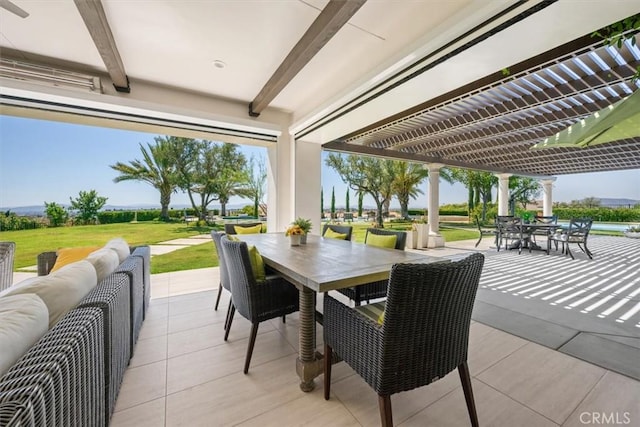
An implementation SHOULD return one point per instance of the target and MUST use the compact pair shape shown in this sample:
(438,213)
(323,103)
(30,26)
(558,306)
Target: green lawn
(29,243)
(32,242)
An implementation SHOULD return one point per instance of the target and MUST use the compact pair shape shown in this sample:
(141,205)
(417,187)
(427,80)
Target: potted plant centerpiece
(305,225)
(295,233)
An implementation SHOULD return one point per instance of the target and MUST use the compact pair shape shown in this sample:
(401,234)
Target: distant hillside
(37,210)
(614,203)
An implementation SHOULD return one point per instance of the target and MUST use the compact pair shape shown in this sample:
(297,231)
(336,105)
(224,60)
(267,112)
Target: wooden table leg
(309,362)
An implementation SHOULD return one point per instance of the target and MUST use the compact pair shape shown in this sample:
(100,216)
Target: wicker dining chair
(377,289)
(254,301)
(341,229)
(423,336)
(231,228)
(7,253)
(224,275)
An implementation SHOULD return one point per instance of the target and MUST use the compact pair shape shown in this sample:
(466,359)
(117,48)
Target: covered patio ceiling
(417,80)
(491,124)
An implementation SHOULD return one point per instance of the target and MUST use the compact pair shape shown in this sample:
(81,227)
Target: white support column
(433,200)
(547,201)
(308,182)
(503,193)
(280,183)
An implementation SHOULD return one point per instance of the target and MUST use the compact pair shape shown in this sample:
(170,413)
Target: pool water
(602,226)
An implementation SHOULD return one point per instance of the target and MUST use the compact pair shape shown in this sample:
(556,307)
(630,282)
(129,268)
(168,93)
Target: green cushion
(373,311)
(248,230)
(382,241)
(332,234)
(257,264)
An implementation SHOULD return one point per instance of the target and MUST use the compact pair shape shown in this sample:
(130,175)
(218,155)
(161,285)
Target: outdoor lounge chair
(424,333)
(378,289)
(255,301)
(577,233)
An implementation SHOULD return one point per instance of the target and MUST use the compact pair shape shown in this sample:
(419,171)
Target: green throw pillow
(332,234)
(257,264)
(382,241)
(373,311)
(248,230)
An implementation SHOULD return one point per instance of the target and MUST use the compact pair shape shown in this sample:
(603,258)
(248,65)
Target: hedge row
(597,214)
(425,212)
(13,222)
(113,217)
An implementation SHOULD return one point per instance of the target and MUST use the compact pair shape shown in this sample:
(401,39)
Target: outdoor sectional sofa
(72,375)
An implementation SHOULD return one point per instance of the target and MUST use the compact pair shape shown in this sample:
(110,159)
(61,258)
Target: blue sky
(52,161)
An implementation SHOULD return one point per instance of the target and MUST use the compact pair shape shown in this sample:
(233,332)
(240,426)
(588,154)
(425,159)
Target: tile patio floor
(183,373)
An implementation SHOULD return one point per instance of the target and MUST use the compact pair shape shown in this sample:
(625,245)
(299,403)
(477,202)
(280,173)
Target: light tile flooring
(184,373)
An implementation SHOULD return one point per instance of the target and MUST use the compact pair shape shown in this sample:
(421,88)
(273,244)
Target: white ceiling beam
(335,14)
(95,19)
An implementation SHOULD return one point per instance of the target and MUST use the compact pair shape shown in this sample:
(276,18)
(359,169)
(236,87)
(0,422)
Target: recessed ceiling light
(219,64)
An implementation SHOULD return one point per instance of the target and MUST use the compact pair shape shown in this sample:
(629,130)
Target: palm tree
(406,178)
(156,169)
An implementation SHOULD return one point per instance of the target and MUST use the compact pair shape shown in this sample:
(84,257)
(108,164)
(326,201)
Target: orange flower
(294,230)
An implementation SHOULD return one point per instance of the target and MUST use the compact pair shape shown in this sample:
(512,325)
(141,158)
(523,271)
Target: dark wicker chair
(577,233)
(485,231)
(7,252)
(424,335)
(378,289)
(342,229)
(224,275)
(230,228)
(256,302)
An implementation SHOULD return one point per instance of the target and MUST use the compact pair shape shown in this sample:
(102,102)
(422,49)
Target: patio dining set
(512,232)
(414,332)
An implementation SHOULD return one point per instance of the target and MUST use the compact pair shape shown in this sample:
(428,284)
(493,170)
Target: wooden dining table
(322,265)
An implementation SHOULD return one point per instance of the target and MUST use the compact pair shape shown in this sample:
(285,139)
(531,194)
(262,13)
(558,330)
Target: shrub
(57,214)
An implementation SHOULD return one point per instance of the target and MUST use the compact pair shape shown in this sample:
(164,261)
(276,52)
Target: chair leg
(252,341)
(465,379)
(227,320)
(478,242)
(386,417)
(569,252)
(218,298)
(328,354)
(284,318)
(231,313)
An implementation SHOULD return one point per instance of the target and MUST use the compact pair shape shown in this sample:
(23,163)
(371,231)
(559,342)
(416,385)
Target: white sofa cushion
(61,290)
(24,319)
(105,261)
(119,245)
